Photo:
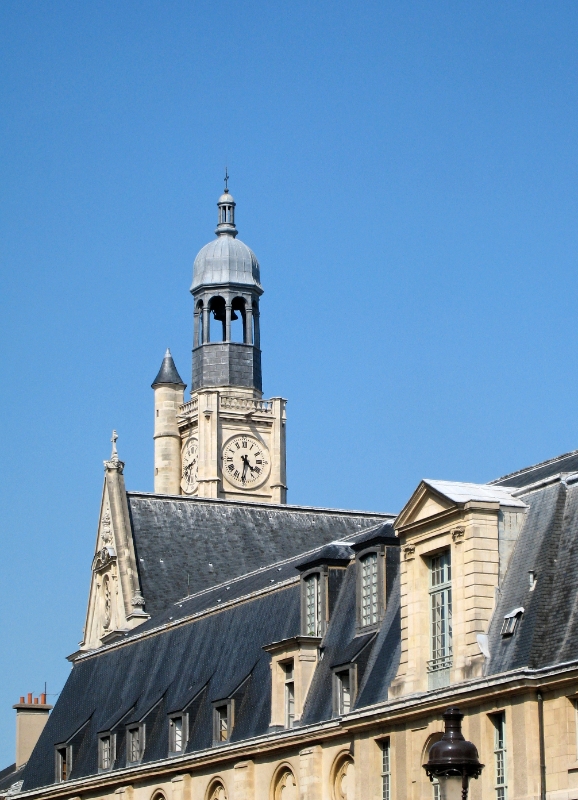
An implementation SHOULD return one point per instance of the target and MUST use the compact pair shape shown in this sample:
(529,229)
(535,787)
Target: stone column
(257,340)
(196,328)
(206,324)
(310,773)
(227,322)
(248,324)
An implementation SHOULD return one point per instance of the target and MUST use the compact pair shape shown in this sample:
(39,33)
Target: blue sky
(407,175)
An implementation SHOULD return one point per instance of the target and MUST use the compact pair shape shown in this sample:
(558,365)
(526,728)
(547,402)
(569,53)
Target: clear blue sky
(406,173)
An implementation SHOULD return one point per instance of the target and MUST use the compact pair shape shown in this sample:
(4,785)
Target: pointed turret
(168,373)
(169,392)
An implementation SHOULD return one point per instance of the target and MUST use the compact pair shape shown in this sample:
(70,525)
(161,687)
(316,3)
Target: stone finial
(114,462)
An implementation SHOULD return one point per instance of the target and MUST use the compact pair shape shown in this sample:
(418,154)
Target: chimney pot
(35,701)
(43,698)
(29,700)
(22,699)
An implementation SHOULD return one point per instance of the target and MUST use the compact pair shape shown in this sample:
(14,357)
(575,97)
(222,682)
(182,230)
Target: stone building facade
(239,648)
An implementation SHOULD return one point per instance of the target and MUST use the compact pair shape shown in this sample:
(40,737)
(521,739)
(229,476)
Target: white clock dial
(246,461)
(190,462)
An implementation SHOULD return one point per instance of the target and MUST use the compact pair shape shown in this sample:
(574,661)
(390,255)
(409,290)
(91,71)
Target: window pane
(440,618)
(369,603)
(386,771)
(312,605)
(289,704)
(499,721)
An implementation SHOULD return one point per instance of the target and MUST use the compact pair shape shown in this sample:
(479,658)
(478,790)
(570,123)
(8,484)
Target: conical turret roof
(168,372)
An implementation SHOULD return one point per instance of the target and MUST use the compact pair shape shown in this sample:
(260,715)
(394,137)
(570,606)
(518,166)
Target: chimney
(31,716)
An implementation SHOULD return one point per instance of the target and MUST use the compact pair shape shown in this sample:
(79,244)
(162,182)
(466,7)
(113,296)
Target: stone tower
(226,441)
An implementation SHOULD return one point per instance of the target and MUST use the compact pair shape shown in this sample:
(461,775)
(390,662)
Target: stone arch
(284,783)
(216,790)
(343,777)
(217,307)
(158,794)
(238,319)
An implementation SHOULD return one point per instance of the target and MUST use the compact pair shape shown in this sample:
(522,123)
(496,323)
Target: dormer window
(222,721)
(368,589)
(177,733)
(312,589)
(62,763)
(106,755)
(289,693)
(510,622)
(344,680)
(134,744)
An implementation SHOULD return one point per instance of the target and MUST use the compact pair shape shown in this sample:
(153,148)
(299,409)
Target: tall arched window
(285,785)
(343,773)
(216,791)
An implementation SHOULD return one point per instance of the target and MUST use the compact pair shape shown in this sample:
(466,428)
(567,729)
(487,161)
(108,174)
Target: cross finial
(113,440)
(226,180)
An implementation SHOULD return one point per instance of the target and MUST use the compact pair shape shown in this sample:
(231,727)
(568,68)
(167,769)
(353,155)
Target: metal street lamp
(453,760)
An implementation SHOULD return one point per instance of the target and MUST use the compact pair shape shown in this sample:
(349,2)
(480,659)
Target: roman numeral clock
(246,461)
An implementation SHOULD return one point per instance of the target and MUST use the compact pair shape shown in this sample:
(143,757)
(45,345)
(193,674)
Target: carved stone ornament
(458,535)
(105,529)
(409,552)
(138,600)
(15,788)
(103,558)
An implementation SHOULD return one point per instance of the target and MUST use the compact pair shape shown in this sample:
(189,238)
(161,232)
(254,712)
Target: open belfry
(240,648)
(226,441)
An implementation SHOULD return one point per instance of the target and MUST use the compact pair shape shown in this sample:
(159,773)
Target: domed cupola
(226,287)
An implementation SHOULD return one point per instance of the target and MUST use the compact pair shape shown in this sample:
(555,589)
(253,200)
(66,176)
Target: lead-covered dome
(226,260)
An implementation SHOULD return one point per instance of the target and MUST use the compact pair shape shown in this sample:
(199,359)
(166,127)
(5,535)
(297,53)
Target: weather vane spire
(226,180)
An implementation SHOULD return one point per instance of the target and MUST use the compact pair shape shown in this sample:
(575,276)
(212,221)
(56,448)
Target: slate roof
(184,545)
(9,776)
(548,546)
(566,463)
(179,667)
(208,646)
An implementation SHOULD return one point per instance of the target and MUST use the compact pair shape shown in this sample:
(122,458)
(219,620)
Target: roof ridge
(283,506)
(533,466)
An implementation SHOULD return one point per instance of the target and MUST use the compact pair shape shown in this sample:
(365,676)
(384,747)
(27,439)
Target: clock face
(245,461)
(190,461)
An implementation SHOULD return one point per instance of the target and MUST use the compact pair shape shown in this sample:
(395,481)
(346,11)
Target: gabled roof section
(466,492)
(433,497)
(185,545)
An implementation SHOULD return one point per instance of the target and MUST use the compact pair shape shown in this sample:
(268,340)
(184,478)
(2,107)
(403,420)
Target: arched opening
(343,777)
(216,332)
(284,784)
(238,320)
(158,795)
(216,790)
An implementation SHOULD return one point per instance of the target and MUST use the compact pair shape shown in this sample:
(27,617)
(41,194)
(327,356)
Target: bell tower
(232,440)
